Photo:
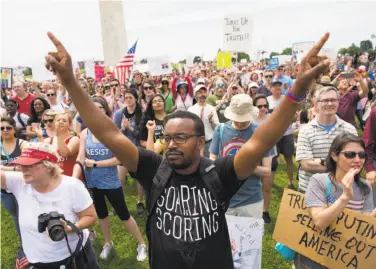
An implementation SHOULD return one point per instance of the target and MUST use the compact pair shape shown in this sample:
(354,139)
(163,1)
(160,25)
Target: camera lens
(55,230)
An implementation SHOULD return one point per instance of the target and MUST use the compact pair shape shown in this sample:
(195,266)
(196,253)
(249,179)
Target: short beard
(182,166)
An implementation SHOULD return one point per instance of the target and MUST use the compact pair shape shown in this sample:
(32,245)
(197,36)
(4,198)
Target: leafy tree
(287,51)
(273,54)
(243,55)
(353,49)
(365,45)
(183,61)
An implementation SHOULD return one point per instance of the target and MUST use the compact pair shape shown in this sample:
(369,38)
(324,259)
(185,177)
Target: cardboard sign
(350,242)
(5,77)
(299,50)
(237,32)
(246,241)
(224,60)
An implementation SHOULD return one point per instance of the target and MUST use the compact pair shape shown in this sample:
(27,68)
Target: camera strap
(78,246)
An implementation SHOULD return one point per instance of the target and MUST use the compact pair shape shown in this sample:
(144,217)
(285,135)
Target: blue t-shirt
(284,80)
(231,142)
(327,128)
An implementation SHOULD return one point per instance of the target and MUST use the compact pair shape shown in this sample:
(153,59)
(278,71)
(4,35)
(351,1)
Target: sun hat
(241,108)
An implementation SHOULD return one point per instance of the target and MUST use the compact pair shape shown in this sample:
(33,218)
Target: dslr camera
(51,221)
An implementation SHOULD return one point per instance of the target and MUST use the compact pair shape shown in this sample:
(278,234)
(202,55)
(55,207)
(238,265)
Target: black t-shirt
(157,133)
(188,230)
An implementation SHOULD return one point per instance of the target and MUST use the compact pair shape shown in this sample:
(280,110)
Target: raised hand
(124,124)
(371,177)
(60,62)
(151,125)
(347,183)
(311,66)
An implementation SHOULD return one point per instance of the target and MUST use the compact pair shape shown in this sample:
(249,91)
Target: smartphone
(348,75)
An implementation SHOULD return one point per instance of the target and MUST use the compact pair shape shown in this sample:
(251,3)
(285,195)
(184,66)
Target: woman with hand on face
(40,188)
(103,180)
(342,187)
(67,144)
(37,107)
(10,150)
(47,128)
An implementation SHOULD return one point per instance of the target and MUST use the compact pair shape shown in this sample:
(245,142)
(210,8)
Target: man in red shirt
(23,97)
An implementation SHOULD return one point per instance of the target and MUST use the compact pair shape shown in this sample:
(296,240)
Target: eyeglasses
(262,106)
(48,121)
(220,84)
(164,82)
(50,94)
(280,69)
(155,101)
(352,154)
(178,139)
(8,128)
(114,85)
(268,76)
(148,88)
(10,105)
(326,101)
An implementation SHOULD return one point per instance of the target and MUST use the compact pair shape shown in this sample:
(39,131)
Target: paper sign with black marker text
(237,33)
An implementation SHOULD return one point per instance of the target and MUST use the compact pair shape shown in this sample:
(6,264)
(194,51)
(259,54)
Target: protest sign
(99,72)
(299,50)
(246,241)
(274,63)
(21,73)
(5,77)
(330,52)
(89,68)
(350,242)
(40,72)
(237,32)
(224,60)
(159,65)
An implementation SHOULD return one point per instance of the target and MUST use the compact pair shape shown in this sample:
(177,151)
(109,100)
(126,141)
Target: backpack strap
(20,120)
(220,140)
(213,183)
(328,187)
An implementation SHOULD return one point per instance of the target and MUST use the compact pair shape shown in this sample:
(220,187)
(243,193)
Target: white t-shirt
(59,107)
(209,130)
(273,103)
(68,198)
(24,118)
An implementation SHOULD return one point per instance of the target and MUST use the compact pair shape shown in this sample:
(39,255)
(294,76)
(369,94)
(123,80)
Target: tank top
(100,177)
(6,158)
(66,163)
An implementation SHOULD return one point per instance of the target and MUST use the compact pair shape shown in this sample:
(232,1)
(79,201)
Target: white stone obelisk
(114,37)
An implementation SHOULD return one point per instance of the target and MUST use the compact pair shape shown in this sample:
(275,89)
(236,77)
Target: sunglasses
(114,85)
(280,69)
(48,121)
(268,76)
(50,94)
(8,128)
(262,106)
(164,82)
(352,154)
(220,84)
(148,88)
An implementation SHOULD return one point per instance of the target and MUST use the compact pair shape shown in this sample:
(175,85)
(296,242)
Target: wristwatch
(94,164)
(323,162)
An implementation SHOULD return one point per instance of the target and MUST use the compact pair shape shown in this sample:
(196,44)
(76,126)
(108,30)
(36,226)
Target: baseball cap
(253,84)
(241,108)
(181,82)
(199,87)
(36,152)
(201,80)
(276,82)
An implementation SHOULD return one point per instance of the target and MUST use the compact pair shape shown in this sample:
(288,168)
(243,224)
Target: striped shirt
(314,142)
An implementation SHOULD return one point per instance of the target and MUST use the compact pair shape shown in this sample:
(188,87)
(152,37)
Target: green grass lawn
(125,246)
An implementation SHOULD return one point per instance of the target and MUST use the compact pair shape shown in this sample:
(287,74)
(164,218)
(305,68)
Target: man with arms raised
(189,194)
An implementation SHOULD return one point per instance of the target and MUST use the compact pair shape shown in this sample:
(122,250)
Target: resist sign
(350,242)
(237,33)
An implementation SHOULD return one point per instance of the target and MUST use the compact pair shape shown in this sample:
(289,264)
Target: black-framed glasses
(114,85)
(352,154)
(164,82)
(148,88)
(48,121)
(50,94)
(327,101)
(8,128)
(178,139)
(262,106)
(155,101)
(268,76)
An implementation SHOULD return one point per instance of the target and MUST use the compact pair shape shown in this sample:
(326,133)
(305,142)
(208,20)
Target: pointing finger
(317,47)
(57,43)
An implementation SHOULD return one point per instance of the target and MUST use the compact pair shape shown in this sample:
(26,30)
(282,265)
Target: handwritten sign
(99,72)
(224,60)
(159,65)
(350,242)
(237,33)
(299,50)
(246,241)
(5,77)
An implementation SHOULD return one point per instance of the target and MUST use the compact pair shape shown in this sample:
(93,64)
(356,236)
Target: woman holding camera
(329,194)
(40,188)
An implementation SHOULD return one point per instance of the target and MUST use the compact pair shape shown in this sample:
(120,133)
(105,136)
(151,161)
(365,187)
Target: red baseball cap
(36,152)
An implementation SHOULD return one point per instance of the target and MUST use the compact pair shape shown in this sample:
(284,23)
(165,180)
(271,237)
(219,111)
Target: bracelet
(295,98)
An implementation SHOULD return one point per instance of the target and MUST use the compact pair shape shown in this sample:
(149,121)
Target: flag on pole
(122,69)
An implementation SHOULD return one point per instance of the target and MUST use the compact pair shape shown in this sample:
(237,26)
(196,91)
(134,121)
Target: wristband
(295,98)
(94,165)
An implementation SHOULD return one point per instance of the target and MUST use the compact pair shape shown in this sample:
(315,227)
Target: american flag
(21,260)
(122,69)
(353,205)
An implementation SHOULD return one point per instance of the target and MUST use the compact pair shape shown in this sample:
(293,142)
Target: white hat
(241,108)
(253,84)
(199,87)
(200,80)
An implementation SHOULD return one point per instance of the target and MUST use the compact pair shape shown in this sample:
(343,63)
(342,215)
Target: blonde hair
(53,168)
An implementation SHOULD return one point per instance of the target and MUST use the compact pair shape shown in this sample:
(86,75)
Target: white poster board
(40,72)
(237,32)
(300,49)
(246,241)
(159,65)
(330,52)
(89,68)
